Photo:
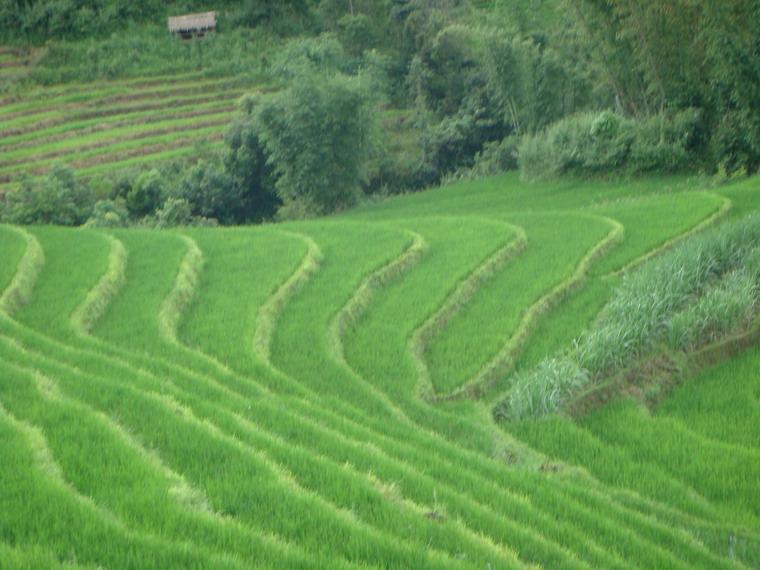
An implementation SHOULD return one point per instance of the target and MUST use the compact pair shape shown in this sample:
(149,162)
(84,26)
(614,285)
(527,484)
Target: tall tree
(318,135)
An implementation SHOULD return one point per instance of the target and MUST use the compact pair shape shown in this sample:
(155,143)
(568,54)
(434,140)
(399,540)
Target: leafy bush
(174,212)
(302,56)
(57,198)
(667,144)
(587,144)
(147,194)
(592,144)
(455,141)
(70,18)
(109,214)
(292,210)
(496,157)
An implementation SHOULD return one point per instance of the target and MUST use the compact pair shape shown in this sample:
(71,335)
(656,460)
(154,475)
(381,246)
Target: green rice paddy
(320,394)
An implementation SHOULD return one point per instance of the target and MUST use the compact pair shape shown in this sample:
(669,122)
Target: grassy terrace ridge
(113,124)
(279,396)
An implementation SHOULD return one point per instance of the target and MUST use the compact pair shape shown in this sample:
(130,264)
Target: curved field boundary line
(501,363)
(362,297)
(502,440)
(266,317)
(353,310)
(367,476)
(350,313)
(49,387)
(360,300)
(19,291)
(714,218)
(436,322)
(186,495)
(501,489)
(96,302)
(44,460)
(195,500)
(45,463)
(182,293)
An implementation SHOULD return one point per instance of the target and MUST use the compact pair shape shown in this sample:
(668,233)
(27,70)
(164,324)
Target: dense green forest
(375,97)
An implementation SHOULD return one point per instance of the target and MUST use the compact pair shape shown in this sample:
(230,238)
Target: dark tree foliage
(251,177)
(583,87)
(318,137)
(668,56)
(57,198)
(41,20)
(44,19)
(238,189)
(146,194)
(256,12)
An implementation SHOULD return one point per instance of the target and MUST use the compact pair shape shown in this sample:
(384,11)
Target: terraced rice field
(110,125)
(14,64)
(318,394)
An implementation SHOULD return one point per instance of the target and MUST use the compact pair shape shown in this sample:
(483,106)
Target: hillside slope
(319,394)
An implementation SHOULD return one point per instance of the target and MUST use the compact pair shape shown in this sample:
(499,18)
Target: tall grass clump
(548,384)
(722,309)
(694,294)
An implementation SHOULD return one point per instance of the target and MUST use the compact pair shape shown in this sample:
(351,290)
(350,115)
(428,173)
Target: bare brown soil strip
(219,88)
(108,158)
(135,83)
(97,104)
(13,64)
(107,126)
(108,142)
(144,151)
(82,116)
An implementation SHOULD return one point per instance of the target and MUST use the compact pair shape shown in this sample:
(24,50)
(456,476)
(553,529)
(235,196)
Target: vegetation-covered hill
(326,394)
(363,98)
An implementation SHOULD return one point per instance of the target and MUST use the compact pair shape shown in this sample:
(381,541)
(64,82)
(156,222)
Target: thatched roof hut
(192,25)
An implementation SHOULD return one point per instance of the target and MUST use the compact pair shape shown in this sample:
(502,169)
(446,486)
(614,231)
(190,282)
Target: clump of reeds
(695,294)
